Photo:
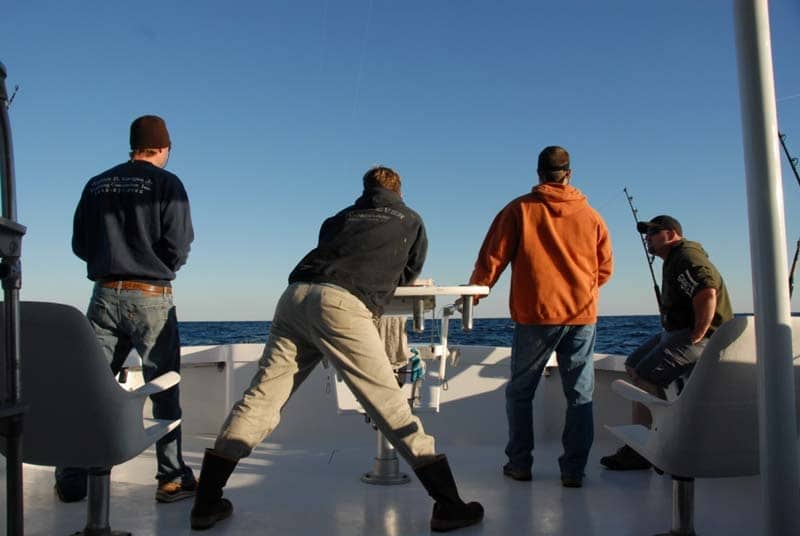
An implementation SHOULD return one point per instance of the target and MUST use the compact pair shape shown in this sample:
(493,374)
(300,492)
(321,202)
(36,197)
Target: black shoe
(625,459)
(572,481)
(71,484)
(450,512)
(523,475)
(68,496)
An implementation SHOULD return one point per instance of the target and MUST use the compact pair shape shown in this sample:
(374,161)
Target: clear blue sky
(276,108)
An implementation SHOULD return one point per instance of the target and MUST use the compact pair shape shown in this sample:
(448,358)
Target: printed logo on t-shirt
(687,283)
(120,185)
(378,214)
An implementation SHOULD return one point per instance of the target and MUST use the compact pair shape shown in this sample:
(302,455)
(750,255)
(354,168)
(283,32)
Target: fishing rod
(9,100)
(793,164)
(794,267)
(650,258)
(792,160)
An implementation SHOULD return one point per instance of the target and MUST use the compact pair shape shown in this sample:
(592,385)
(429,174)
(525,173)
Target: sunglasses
(652,231)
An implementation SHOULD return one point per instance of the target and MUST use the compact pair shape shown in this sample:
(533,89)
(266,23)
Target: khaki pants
(313,321)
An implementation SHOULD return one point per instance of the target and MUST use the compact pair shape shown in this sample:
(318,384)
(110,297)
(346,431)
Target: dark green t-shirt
(687,270)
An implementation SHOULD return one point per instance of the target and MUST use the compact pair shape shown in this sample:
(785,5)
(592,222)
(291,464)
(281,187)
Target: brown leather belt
(153,290)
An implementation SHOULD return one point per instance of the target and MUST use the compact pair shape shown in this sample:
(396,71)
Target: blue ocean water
(615,334)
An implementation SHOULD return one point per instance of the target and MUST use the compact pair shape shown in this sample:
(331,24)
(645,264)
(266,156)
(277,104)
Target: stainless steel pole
(682,507)
(777,425)
(10,392)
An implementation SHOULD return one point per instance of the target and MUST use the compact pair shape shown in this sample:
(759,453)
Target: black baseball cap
(660,223)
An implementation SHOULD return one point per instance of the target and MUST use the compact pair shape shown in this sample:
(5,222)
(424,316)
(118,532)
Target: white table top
(459,290)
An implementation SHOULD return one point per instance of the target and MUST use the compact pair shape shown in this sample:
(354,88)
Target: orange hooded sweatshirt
(560,255)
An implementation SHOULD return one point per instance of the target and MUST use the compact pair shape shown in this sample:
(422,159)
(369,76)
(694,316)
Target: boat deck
(305,479)
(302,491)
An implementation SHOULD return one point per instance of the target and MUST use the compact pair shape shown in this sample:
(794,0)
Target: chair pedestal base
(98,505)
(386,468)
(682,507)
(108,532)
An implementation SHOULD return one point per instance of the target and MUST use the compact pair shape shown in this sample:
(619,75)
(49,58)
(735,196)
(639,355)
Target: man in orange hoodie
(560,254)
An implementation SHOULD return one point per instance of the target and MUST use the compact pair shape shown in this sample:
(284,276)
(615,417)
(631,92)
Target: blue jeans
(532,347)
(128,319)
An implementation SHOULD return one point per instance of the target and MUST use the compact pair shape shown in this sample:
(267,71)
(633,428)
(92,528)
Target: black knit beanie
(149,132)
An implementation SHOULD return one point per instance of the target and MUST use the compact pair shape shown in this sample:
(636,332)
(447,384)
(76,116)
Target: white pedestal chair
(711,429)
(77,415)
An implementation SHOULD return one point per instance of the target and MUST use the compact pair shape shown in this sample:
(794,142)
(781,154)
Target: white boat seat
(77,415)
(710,429)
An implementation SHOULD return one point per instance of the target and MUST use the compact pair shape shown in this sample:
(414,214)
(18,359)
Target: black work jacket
(368,248)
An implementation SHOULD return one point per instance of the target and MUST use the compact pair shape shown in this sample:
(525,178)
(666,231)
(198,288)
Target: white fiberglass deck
(306,491)
(306,478)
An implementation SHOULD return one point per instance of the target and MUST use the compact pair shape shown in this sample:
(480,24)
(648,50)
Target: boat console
(426,381)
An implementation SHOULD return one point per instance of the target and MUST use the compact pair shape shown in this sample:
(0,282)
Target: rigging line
(323,64)
(602,202)
(359,75)
(788,97)
(357,90)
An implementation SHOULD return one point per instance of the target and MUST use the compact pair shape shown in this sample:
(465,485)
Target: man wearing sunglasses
(694,303)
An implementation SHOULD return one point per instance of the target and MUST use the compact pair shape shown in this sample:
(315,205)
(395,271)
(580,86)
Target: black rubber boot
(449,511)
(209,506)
(71,483)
